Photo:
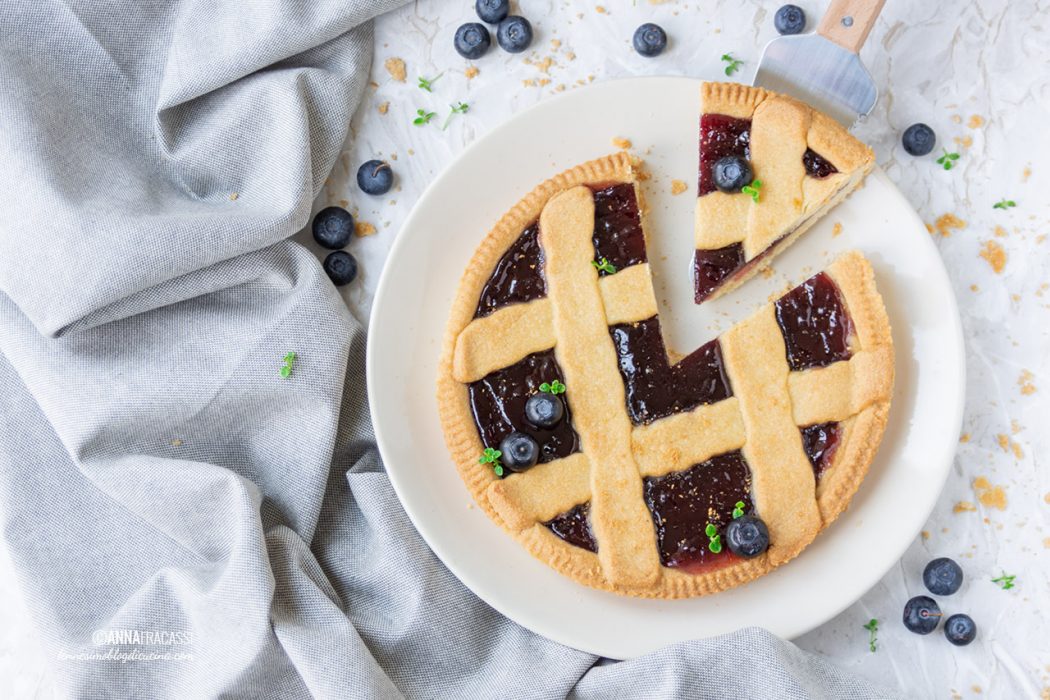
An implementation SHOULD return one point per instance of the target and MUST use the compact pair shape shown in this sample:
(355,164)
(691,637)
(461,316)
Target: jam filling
(721,136)
(518,276)
(498,404)
(683,503)
(820,442)
(814,323)
(711,268)
(817,165)
(574,527)
(618,233)
(654,387)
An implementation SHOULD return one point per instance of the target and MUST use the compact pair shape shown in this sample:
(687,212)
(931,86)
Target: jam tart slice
(802,162)
(633,490)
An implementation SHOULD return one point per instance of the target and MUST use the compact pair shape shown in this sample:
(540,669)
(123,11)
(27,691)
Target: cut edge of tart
(615,522)
(805,161)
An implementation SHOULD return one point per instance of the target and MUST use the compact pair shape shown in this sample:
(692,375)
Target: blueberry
(341,267)
(472,40)
(732,173)
(650,40)
(747,536)
(544,410)
(375,177)
(520,452)
(942,576)
(921,614)
(333,227)
(492,11)
(514,34)
(918,139)
(960,630)
(790,19)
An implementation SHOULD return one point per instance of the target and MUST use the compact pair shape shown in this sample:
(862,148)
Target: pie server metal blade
(823,68)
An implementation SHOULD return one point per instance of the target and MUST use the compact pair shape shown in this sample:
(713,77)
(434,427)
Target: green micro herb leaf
(554,387)
(732,64)
(752,190)
(286,366)
(458,108)
(424,117)
(873,628)
(1006,581)
(428,83)
(711,530)
(491,456)
(738,510)
(948,159)
(715,545)
(604,266)
(1004,204)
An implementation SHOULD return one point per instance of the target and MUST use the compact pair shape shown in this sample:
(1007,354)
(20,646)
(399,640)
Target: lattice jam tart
(573,430)
(802,164)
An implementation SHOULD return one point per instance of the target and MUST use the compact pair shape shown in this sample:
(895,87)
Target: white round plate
(660,116)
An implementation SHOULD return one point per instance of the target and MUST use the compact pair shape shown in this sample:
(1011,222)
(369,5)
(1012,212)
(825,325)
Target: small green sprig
(1004,204)
(1006,581)
(752,190)
(491,456)
(947,161)
(458,108)
(287,363)
(732,64)
(738,510)
(428,83)
(604,265)
(423,117)
(873,628)
(714,539)
(554,387)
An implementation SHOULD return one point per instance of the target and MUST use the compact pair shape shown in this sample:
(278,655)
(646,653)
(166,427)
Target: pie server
(823,68)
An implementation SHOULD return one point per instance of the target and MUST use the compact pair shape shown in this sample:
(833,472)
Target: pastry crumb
(396,68)
(976,121)
(995,255)
(965,437)
(570,55)
(1000,232)
(555,43)
(678,187)
(963,141)
(964,507)
(384,107)
(946,223)
(1026,383)
(926,534)
(471,72)
(989,495)
(622,143)
(600,9)
(176,442)
(1026,173)
(234,196)
(363,228)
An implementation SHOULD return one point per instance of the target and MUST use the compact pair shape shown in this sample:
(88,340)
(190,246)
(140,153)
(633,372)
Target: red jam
(498,404)
(654,387)
(518,276)
(814,323)
(618,233)
(721,136)
(820,442)
(574,527)
(683,503)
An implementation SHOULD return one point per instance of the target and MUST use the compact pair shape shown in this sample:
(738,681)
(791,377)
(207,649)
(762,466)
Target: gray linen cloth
(156,475)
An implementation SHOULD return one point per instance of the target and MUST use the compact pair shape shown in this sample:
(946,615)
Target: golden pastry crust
(617,455)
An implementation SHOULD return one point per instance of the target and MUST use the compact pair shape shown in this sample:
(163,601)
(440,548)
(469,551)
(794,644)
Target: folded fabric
(184,521)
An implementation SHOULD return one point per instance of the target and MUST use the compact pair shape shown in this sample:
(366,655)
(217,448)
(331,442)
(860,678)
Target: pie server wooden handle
(848,22)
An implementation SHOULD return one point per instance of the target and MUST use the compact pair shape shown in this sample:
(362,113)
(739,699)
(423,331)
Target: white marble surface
(979,73)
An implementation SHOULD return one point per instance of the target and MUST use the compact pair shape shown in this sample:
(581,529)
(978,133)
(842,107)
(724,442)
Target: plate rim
(383,289)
